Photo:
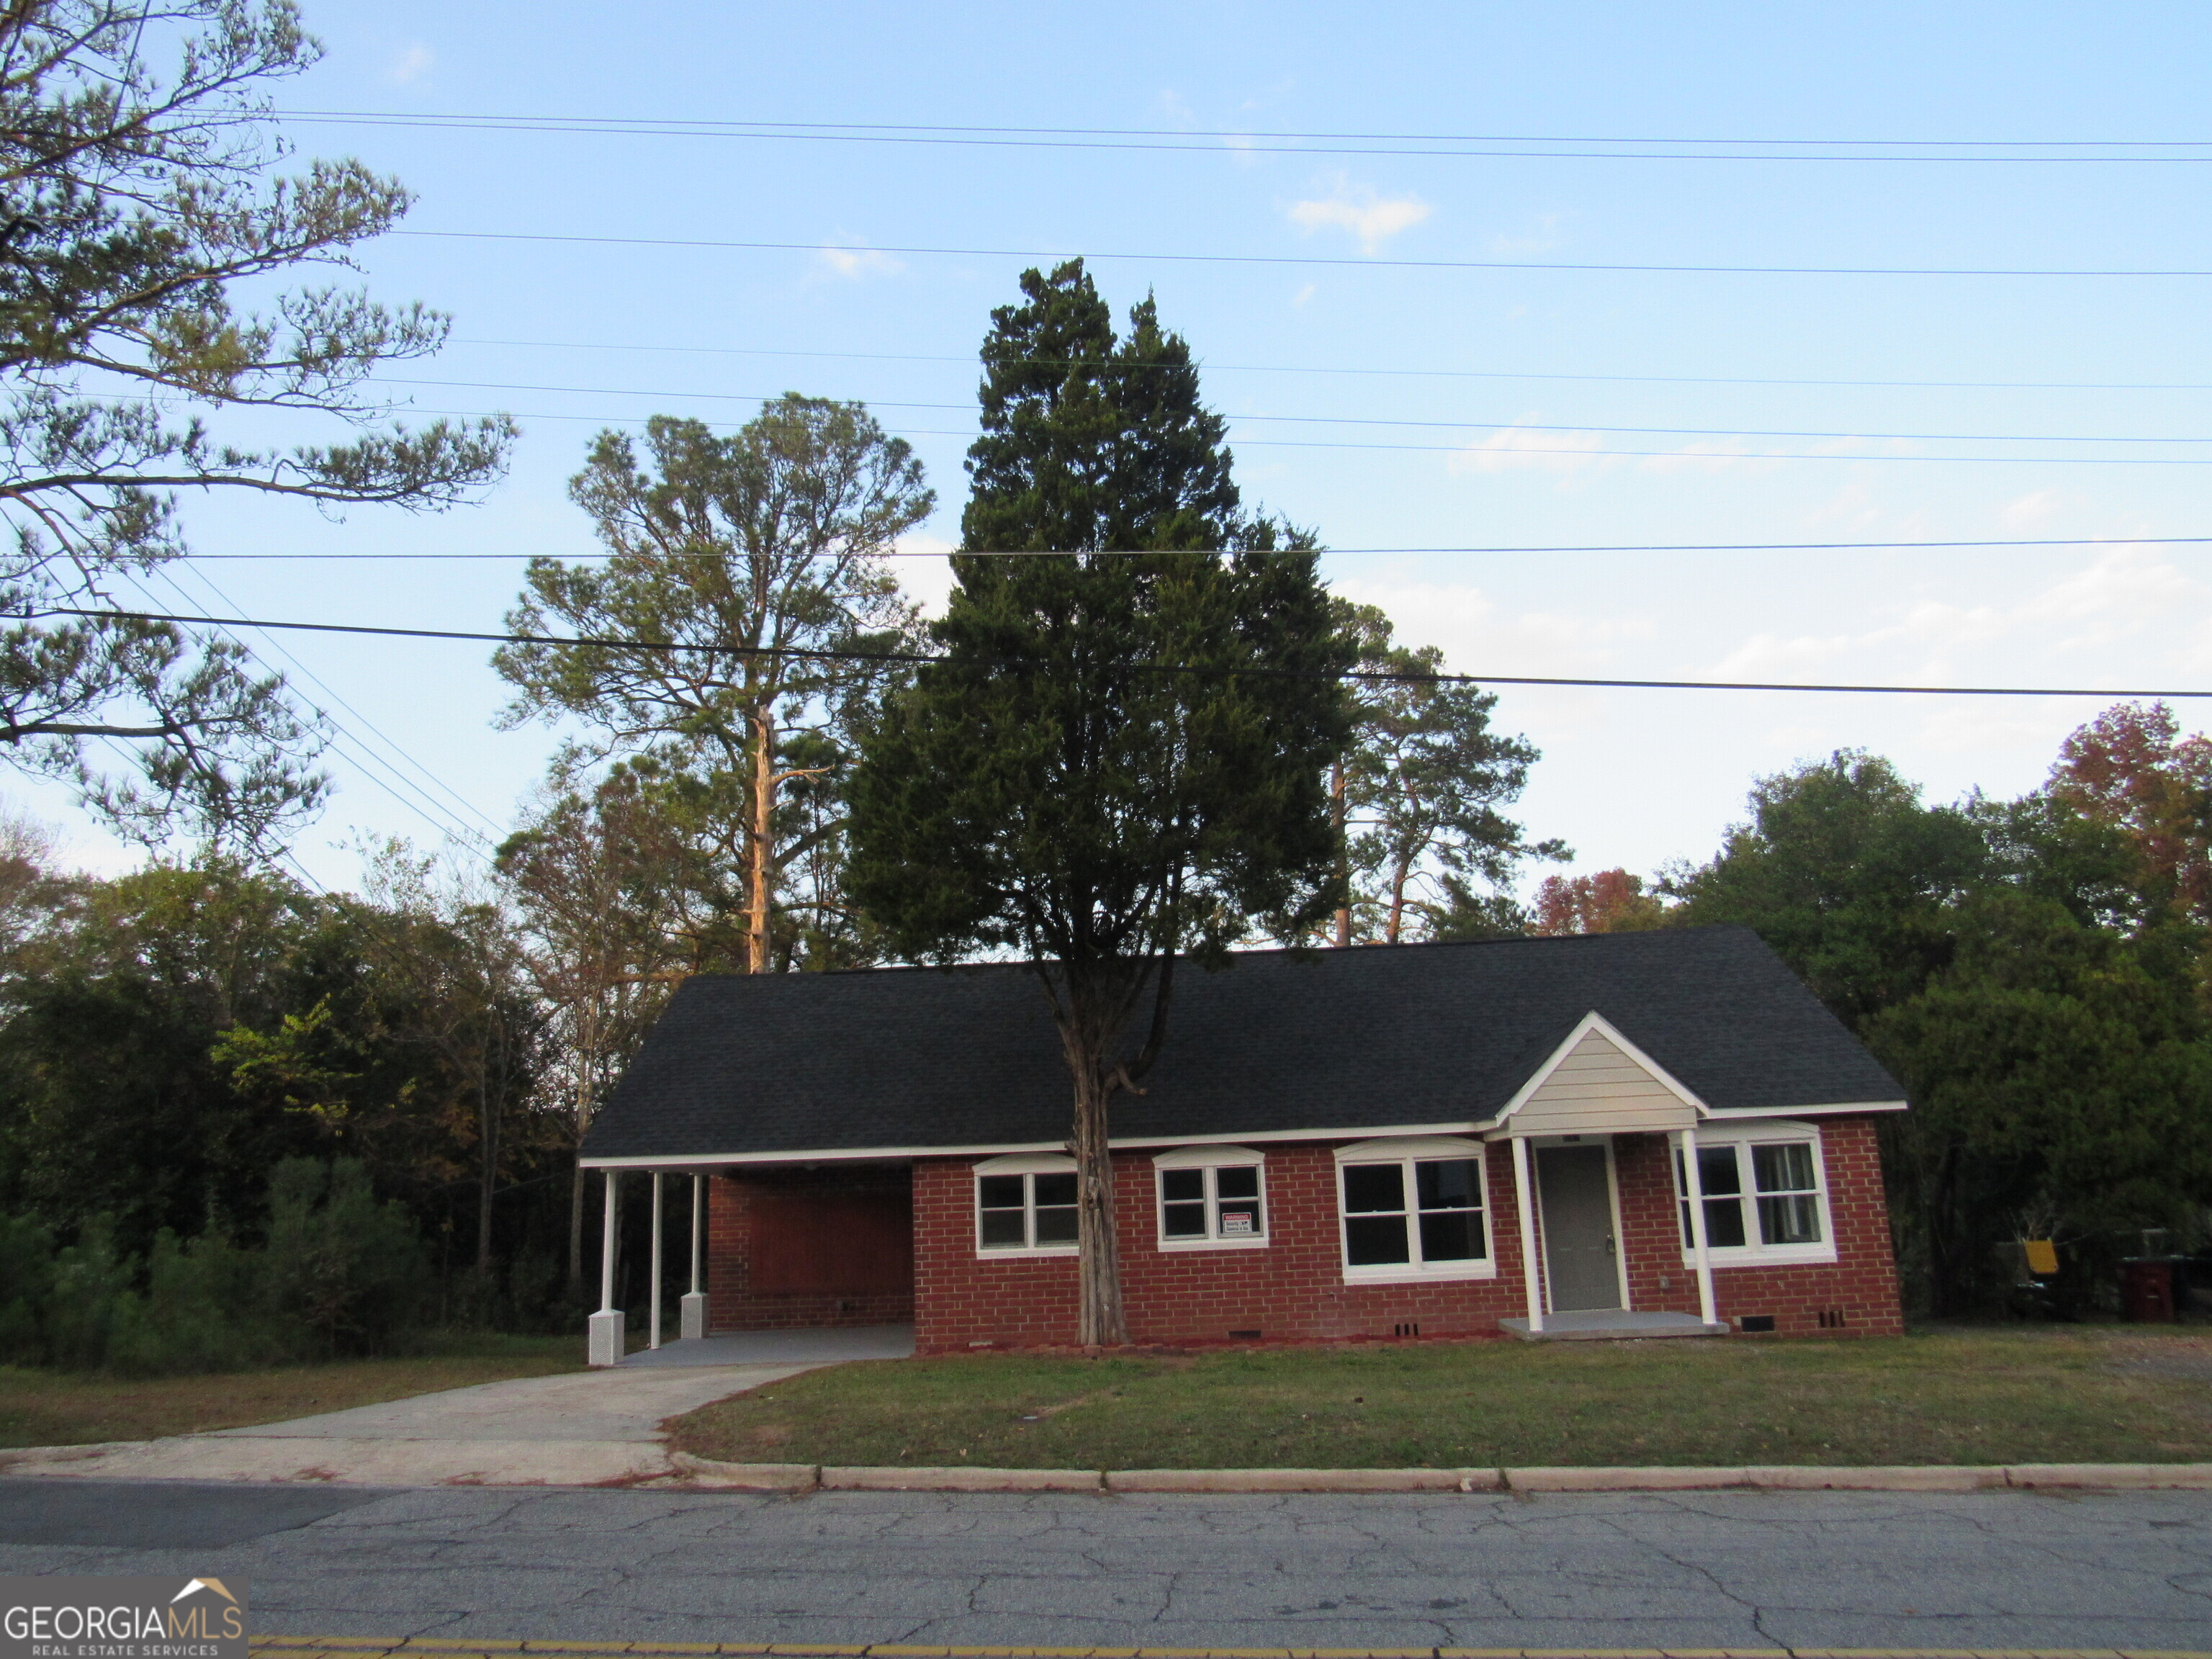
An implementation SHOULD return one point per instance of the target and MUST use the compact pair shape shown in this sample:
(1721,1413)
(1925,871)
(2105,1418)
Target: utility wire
(970,361)
(1533,547)
(451,824)
(1313,258)
(372,765)
(1476,451)
(1365,420)
(1442,145)
(920,657)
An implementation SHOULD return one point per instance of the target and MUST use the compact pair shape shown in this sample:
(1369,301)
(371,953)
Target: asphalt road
(1995,1569)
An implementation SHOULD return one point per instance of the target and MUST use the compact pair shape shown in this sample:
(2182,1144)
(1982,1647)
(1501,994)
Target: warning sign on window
(1235,1221)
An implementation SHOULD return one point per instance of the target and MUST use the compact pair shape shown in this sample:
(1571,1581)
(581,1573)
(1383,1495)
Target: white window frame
(1405,1153)
(1025,1164)
(1209,1159)
(1741,1138)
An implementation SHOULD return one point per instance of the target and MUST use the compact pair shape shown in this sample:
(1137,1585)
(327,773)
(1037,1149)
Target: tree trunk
(1336,815)
(487,1178)
(575,1291)
(1399,877)
(587,1028)
(759,840)
(1102,1322)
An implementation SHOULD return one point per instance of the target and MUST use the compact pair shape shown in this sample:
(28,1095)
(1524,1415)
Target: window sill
(1165,1244)
(1027,1253)
(1420,1275)
(1765,1256)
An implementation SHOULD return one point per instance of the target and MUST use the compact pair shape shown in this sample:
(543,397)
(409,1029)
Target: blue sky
(1527,378)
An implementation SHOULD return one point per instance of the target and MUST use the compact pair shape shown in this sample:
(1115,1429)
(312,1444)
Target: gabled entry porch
(1562,1127)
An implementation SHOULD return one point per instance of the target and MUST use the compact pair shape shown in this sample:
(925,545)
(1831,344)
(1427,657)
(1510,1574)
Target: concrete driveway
(584,1429)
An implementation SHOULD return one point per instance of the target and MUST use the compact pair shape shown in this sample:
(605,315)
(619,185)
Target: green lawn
(2036,1394)
(61,1408)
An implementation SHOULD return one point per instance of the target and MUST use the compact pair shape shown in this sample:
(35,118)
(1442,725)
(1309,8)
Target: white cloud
(1372,218)
(1304,294)
(2125,592)
(1542,239)
(855,263)
(2030,510)
(412,65)
(926,573)
(1524,449)
(1700,458)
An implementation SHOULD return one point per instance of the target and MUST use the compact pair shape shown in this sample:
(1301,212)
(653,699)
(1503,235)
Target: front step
(1610,1325)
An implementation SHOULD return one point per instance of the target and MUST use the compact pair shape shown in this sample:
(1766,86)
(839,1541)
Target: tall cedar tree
(1094,777)
(146,250)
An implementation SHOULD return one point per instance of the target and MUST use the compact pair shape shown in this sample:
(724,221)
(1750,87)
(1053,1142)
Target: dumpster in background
(2146,1287)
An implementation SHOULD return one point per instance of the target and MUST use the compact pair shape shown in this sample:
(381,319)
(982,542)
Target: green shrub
(348,1273)
(340,1275)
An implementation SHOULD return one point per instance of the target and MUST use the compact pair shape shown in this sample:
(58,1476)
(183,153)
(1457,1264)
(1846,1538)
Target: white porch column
(691,1314)
(1531,1272)
(652,1340)
(604,1338)
(1693,1186)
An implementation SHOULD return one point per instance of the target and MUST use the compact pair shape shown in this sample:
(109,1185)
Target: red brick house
(1658,1132)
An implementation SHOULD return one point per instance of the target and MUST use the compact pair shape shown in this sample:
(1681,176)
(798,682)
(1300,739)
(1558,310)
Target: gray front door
(1577,1215)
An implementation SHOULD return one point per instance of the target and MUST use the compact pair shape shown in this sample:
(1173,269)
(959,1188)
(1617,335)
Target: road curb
(1229,1480)
(745,1477)
(1936,1478)
(957,1480)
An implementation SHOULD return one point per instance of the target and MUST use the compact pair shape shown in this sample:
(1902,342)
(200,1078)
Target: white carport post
(654,1341)
(692,1310)
(603,1340)
(1693,1188)
(1531,1274)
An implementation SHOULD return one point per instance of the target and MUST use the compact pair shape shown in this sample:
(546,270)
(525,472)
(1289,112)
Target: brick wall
(1294,1289)
(735,1221)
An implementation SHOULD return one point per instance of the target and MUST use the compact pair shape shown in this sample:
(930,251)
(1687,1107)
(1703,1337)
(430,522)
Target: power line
(1532,547)
(1376,263)
(970,361)
(1169,141)
(453,823)
(372,765)
(918,657)
(1474,451)
(1366,420)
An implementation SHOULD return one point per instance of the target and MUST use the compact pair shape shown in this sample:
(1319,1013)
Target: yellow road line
(352,1647)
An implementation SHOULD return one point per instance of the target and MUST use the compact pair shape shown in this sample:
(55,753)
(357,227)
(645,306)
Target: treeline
(172,1039)
(2037,972)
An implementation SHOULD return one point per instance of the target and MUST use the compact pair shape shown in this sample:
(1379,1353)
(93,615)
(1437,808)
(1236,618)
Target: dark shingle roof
(1374,1037)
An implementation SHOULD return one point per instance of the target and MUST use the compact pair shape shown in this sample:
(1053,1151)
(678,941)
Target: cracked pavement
(1710,1570)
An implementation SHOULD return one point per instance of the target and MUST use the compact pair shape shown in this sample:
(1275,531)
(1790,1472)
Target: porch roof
(907,1062)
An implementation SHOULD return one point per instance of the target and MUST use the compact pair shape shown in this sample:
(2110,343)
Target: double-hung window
(1211,1197)
(1763,1194)
(1413,1210)
(1025,1205)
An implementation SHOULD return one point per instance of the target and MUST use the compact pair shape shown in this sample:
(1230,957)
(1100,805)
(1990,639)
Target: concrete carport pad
(181,1515)
(582,1429)
(623,1404)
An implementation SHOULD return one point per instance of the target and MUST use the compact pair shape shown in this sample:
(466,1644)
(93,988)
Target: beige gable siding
(1598,1089)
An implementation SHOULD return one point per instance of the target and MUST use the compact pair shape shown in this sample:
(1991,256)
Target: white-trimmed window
(1765,1191)
(1211,1198)
(1413,1210)
(1025,1205)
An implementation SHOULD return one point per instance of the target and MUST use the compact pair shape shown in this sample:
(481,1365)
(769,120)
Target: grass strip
(2104,1394)
(67,1408)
